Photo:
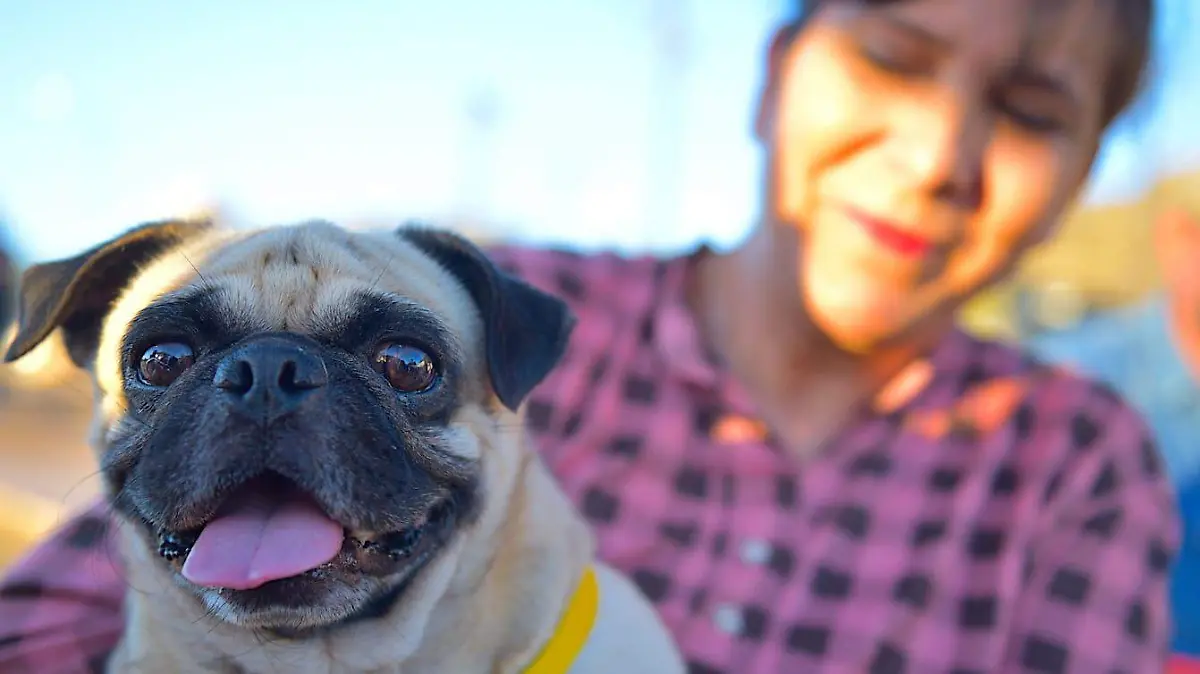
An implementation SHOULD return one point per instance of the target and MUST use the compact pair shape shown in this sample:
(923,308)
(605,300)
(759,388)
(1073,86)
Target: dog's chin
(367,577)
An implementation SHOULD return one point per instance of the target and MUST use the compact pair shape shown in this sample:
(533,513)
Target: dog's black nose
(270,376)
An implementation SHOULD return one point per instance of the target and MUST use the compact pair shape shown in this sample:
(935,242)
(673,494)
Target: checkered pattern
(1007,518)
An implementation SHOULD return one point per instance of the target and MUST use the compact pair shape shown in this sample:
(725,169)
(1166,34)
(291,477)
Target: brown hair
(1130,63)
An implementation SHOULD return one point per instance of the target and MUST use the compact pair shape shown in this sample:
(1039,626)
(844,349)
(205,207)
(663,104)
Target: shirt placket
(751,558)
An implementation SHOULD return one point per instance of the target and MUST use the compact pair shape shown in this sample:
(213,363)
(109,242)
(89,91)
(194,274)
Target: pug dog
(312,443)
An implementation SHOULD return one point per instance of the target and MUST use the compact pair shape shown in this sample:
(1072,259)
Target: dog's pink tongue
(256,539)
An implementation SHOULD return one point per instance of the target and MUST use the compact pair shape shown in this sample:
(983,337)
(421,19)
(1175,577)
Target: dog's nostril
(301,376)
(287,376)
(235,376)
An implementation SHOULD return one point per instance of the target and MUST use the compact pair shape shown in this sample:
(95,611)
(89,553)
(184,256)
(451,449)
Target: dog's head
(296,421)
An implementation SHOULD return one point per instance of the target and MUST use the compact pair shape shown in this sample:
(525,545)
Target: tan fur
(489,601)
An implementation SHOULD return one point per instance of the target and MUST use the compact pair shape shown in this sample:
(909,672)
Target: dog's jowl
(312,439)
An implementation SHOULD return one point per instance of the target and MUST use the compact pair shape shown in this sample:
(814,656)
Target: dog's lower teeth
(172,546)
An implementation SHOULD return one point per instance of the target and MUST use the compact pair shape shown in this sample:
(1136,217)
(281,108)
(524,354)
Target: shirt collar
(675,335)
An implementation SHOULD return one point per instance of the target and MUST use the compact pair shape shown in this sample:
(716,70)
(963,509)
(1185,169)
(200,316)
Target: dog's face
(297,421)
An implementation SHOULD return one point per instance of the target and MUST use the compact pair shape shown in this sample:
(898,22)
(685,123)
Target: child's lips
(892,235)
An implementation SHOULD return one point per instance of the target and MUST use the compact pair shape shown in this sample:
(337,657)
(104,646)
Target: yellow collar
(572,631)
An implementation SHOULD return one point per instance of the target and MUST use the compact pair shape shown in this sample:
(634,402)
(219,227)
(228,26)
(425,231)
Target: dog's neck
(489,613)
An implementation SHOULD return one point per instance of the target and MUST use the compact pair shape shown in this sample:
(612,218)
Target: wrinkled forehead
(301,279)
(291,278)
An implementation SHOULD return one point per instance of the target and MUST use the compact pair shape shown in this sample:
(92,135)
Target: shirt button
(729,619)
(755,551)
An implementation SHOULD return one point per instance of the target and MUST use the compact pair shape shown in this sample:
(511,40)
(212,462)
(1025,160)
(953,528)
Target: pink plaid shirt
(1006,518)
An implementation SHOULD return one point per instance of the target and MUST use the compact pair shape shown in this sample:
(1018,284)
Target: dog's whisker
(95,474)
(203,280)
(383,270)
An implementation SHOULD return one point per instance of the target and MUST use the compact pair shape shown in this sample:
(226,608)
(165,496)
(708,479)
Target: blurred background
(585,123)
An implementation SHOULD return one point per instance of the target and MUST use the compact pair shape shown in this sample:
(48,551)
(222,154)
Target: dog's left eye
(162,364)
(406,368)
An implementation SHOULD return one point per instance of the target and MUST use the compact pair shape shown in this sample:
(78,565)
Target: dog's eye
(406,368)
(162,364)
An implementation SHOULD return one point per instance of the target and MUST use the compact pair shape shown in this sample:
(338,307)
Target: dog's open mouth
(271,530)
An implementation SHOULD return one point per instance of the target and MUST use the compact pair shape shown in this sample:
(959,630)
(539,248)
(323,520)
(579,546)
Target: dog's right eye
(406,368)
(162,364)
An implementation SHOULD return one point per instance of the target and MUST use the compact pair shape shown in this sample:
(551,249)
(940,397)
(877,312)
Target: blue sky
(113,113)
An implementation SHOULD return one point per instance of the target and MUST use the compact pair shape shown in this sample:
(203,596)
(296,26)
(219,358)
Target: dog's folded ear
(76,293)
(526,329)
